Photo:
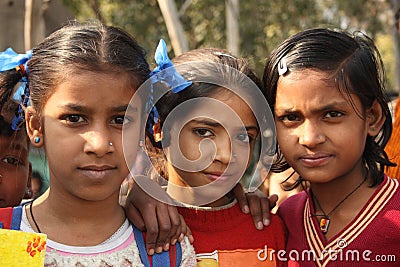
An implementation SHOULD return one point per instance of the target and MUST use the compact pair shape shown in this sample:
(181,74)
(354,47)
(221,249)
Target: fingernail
(150,252)
(166,247)
(259,226)
(181,237)
(266,222)
(191,239)
(246,209)
(159,249)
(174,241)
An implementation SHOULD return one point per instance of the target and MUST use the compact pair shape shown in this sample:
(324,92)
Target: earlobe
(375,118)
(33,127)
(157,132)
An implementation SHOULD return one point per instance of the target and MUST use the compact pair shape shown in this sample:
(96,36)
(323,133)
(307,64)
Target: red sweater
(229,237)
(371,239)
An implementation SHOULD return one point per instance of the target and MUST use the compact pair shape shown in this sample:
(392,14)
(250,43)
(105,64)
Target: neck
(74,221)
(197,196)
(331,193)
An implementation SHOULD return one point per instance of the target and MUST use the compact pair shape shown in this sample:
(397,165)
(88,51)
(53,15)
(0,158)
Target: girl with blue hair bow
(208,113)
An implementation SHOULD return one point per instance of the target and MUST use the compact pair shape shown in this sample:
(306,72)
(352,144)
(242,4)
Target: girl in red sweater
(326,89)
(204,129)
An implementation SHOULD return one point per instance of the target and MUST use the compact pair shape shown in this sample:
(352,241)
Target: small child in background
(326,89)
(37,184)
(15,168)
(81,79)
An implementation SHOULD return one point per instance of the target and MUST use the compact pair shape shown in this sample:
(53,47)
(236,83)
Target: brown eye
(203,132)
(121,120)
(12,161)
(73,118)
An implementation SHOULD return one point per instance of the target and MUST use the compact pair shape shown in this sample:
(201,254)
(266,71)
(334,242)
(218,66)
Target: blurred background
(250,28)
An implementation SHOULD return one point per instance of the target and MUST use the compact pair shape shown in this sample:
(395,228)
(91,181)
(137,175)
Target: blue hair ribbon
(165,73)
(9,59)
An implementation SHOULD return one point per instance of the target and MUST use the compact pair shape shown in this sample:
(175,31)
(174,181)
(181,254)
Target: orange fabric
(393,146)
(239,257)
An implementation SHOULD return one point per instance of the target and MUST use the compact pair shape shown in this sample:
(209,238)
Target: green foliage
(263,23)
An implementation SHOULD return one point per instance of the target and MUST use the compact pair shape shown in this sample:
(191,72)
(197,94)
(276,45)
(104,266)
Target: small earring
(141,143)
(111,144)
(37,139)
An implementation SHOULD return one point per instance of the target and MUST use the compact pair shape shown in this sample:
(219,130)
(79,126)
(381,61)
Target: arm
(162,222)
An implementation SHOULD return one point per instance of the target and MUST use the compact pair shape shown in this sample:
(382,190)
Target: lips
(97,171)
(220,176)
(315,160)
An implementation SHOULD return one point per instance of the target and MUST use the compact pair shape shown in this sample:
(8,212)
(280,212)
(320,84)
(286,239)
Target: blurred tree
(263,23)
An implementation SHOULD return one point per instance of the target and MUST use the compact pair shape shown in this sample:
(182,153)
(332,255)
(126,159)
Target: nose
(98,142)
(310,134)
(224,149)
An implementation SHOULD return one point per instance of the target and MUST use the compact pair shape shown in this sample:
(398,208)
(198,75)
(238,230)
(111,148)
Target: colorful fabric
(119,250)
(10,218)
(393,146)
(371,239)
(22,249)
(227,237)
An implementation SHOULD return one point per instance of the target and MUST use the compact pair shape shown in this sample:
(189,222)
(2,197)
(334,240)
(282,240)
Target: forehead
(18,141)
(309,87)
(224,107)
(95,88)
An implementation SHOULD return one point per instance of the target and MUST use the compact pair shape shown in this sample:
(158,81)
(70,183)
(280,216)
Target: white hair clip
(282,67)
(224,55)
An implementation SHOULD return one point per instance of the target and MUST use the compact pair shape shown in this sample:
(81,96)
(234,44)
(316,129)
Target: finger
(164,226)
(273,200)
(255,210)
(149,216)
(240,196)
(188,231)
(265,210)
(135,216)
(176,227)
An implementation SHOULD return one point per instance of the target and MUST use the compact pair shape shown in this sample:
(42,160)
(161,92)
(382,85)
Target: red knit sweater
(371,239)
(233,237)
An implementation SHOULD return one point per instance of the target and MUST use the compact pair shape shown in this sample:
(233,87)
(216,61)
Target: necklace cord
(33,218)
(340,203)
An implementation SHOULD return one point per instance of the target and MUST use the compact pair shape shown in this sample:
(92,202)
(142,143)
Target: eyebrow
(330,106)
(80,108)
(216,124)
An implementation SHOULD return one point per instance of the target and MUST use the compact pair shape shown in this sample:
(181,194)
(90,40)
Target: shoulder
(293,202)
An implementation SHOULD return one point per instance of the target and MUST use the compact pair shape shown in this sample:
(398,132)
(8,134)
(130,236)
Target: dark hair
(37,175)
(192,66)
(354,63)
(8,82)
(89,46)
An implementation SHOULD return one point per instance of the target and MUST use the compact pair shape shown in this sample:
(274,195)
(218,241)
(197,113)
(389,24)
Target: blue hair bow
(9,59)
(165,73)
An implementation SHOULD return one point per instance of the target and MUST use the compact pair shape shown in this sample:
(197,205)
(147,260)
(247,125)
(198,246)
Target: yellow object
(22,249)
